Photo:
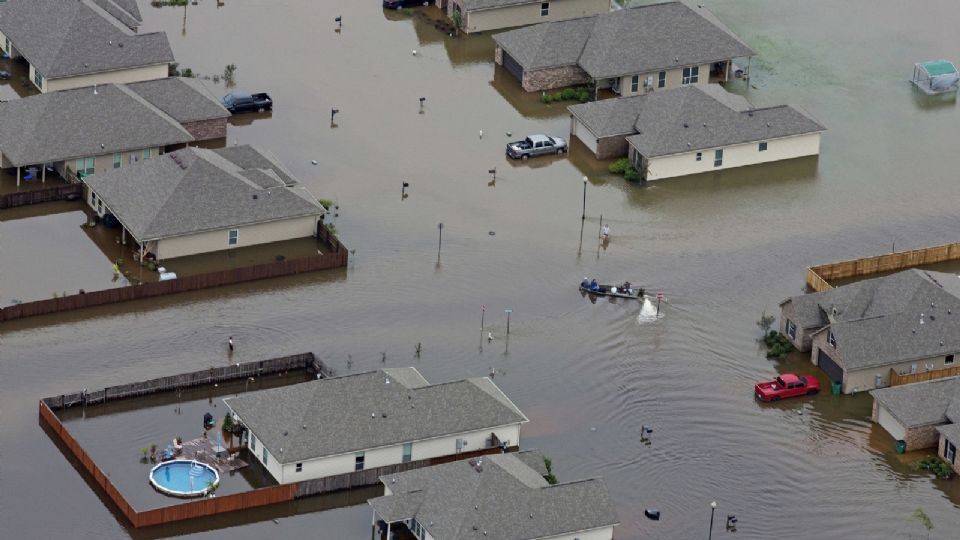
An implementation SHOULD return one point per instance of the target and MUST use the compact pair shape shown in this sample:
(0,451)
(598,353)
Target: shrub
(940,467)
(549,477)
(619,166)
(331,228)
(765,322)
(326,203)
(583,95)
(631,174)
(187,72)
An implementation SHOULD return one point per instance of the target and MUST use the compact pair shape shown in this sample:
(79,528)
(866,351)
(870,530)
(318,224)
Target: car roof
(239,94)
(539,138)
(789,378)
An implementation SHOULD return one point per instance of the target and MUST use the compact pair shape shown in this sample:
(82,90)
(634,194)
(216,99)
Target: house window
(544,9)
(93,199)
(718,158)
(146,153)
(85,166)
(7,48)
(635,84)
(762,147)
(265,455)
(699,156)
(37,79)
(358,461)
(117,160)
(662,79)
(691,75)
(407,452)
(299,467)
(831,339)
(253,442)
(416,528)
(791,329)
(948,360)
(233,235)
(949,451)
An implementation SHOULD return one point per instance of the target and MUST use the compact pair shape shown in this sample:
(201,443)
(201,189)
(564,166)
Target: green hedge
(581,94)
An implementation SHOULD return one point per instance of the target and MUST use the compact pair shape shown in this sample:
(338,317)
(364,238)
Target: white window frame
(762,146)
(662,79)
(699,156)
(147,153)
(691,75)
(718,157)
(949,360)
(233,237)
(831,339)
(407,455)
(635,84)
(791,328)
(299,467)
(359,461)
(37,78)
(117,160)
(544,9)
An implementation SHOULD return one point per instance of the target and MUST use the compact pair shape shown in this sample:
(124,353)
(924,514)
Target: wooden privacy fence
(818,277)
(56,193)
(897,379)
(217,505)
(335,259)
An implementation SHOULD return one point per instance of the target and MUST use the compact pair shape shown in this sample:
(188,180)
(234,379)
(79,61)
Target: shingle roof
(125,11)
(75,123)
(184,99)
(878,321)
(194,190)
(921,404)
(365,411)
(497,496)
(65,38)
(626,41)
(951,432)
(698,117)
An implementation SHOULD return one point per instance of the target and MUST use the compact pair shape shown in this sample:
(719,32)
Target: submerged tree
(924,520)
(229,72)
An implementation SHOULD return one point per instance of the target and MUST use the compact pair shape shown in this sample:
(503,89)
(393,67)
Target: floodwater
(722,247)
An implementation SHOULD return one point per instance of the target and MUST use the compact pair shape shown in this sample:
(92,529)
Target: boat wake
(648,313)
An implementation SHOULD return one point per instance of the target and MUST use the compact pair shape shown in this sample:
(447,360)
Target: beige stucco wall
(273,466)
(674,80)
(249,235)
(506,17)
(733,156)
(858,381)
(104,163)
(580,131)
(145,73)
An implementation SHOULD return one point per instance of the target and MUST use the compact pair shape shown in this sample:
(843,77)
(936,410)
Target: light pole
(439,240)
(713,508)
(583,216)
(508,312)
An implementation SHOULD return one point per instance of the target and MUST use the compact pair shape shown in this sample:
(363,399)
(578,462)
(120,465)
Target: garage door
(512,66)
(889,423)
(834,371)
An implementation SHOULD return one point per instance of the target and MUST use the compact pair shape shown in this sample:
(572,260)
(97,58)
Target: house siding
(261,233)
(942,451)
(580,131)
(551,78)
(674,79)
(510,16)
(865,379)
(104,162)
(803,340)
(733,156)
(137,74)
(203,130)
(603,533)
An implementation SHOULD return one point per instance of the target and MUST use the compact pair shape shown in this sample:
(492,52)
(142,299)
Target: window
(699,156)
(635,84)
(253,442)
(117,160)
(950,452)
(146,153)
(691,75)
(416,528)
(7,48)
(299,467)
(544,9)
(37,79)
(662,79)
(407,452)
(358,461)
(93,199)
(718,158)
(233,235)
(762,147)
(948,360)
(832,340)
(791,329)
(85,166)
(264,455)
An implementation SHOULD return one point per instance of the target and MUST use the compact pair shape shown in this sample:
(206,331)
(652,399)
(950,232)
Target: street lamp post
(508,312)
(583,215)
(713,508)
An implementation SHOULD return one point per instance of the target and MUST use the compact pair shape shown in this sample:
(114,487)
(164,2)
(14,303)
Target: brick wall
(498,56)
(919,438)
(548,79)
(612,147)
(203,130)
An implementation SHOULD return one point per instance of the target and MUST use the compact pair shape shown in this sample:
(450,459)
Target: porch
(31,178)
(386,530)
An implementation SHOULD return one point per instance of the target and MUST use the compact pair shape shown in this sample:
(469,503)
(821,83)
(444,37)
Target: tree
(765,322)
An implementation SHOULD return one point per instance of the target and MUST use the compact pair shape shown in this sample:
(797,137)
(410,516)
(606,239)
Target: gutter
(707,148)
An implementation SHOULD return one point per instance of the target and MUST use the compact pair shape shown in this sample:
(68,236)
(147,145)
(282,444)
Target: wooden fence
(897,379)
(55,193)
(217,505)
(818,277)
(337,258)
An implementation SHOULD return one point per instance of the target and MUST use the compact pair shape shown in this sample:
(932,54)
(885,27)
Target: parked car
(240,102)
(536,145)
(787,385)
(397,4)
(4,75)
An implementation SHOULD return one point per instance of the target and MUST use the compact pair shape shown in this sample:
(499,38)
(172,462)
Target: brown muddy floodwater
(723,247)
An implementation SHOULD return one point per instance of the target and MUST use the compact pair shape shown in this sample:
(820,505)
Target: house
(196,200)
(630,51)
(499,496)
(93,130)
(859,333)
(913,413)
(384,418)
(77,43)
(483,15)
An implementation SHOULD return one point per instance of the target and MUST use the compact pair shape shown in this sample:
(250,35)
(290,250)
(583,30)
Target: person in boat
(585,284)
(606,232)
(594,286)
(640,292)
(625,287)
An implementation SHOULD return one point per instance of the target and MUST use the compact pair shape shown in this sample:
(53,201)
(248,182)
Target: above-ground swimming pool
(184,478)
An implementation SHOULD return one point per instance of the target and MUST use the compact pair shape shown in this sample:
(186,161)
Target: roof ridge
(153,108)
(159,208)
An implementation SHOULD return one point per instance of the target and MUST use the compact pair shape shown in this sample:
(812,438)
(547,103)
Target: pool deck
(204,450)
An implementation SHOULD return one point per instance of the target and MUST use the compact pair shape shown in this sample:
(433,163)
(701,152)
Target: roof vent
(120,44)
(750,114)
(384,415)
(768,124)
(373,415)
(676,59)
(531,516)
(686,125)
(304,426)
(255,196)
(285,433)
(921,318)
(102,146)
(109,42)
(704,124)
(941,343)
(475,507)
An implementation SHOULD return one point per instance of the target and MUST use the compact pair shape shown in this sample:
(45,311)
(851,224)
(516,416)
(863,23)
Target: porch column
(141,253)
(123,236)
(388,530)
(726,71)
(18,176)
(43,175)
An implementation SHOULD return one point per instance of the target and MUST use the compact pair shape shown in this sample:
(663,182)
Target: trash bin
(835,388)
(901,447)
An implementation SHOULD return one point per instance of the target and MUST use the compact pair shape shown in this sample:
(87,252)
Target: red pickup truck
(786,386)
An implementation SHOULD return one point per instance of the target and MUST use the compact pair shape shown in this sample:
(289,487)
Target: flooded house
(77,43)
(354,428)
(500,496)
(87,131)
(921,415)
(196,200)
(483,15)
(864,334)
(629,51)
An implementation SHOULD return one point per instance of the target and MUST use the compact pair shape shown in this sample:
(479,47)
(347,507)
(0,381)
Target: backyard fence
(897,379)
(819,277)
(56,193)
(337,258)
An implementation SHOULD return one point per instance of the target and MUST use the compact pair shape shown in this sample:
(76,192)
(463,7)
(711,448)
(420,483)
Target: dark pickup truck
(240,102)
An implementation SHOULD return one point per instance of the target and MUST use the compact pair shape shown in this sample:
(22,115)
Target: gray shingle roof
(194,190)
(249,158)
(125,11)
(626,41)
(921,404)
(75,123)
(65,38)
(503,498)
(878,320)
(951,432)
(337,412)
(697,117)
(184,99)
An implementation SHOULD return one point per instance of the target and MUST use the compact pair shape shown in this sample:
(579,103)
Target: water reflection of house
(631,51)
(483,15)
(196,200)
(76,43)
(922,415)
(859,333)
(98,129)
(501,496)
(365,422)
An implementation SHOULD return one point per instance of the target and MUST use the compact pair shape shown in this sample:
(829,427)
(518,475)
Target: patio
(31,179)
